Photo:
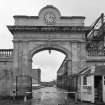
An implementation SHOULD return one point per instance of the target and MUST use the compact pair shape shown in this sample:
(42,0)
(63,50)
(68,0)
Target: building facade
(49,30)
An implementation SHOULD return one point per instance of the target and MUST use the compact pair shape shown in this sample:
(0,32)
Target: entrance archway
(48,62)
(47,31)
(58,48)
(50,48)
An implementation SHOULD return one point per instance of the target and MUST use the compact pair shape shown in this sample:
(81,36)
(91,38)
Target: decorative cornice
(72,17)
(15,28)
(6,59)
(27,17)
(6,49)
(36,17)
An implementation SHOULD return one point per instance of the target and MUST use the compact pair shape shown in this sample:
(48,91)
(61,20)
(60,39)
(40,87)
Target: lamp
(49,50)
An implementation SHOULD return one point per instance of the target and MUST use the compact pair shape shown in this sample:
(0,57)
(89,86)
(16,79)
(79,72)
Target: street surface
(46,96)
(49,96)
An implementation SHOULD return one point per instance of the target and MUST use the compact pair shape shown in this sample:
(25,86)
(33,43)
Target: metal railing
(96,29)
(93,52)
(94,36)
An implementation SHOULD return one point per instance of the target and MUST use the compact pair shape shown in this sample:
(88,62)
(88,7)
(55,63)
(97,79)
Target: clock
(50,18)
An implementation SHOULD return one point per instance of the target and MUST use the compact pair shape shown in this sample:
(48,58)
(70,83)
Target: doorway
(98,88)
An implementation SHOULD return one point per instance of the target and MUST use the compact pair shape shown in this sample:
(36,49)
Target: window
(85,80)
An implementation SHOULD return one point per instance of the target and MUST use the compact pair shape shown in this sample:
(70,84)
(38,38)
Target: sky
(91,9)
(48,63)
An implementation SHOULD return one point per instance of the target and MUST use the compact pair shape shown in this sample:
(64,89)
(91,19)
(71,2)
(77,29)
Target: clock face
(50,18)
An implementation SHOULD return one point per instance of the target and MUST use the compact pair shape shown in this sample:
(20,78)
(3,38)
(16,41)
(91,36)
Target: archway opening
(45,64)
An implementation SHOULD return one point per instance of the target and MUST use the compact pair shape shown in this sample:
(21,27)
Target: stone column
(17,60)
(68,46)
(20,54)
(75,57)
(26,63)
(24,71)
(83,54)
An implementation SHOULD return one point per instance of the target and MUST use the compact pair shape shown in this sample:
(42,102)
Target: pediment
(47,16)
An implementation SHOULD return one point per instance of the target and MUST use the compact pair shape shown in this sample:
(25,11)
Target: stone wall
(6,74)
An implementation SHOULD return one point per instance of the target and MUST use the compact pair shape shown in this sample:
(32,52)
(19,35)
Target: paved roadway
(52,96)
(49,96)
(46,96)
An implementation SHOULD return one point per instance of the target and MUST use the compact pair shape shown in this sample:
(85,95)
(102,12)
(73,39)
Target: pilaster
(83,55)
(75,57)
(26,62)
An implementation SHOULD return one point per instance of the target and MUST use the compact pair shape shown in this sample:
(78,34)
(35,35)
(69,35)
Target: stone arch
(46,47)
(56,47)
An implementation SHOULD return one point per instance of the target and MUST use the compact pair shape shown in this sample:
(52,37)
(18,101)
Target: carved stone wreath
(50,18)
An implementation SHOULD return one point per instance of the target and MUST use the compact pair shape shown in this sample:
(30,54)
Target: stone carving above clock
(50,18)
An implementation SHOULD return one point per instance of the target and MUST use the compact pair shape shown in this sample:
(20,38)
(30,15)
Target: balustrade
(96,52)
(6,52)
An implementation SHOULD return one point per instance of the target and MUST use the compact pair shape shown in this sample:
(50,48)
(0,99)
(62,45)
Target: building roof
(97,70)
(14,29)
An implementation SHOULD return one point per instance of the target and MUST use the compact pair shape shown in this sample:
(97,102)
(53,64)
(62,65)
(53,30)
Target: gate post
(24,86)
